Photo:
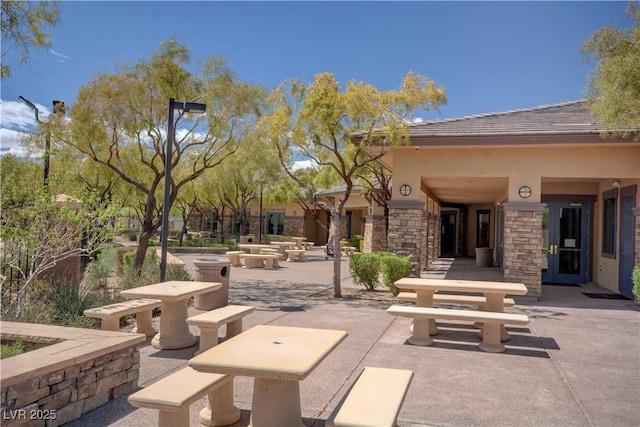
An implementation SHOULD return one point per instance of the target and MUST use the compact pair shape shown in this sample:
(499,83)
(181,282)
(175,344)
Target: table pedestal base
(143,324)
(421,331)
(174,330)
(275,403)
(491,338)
(220,410)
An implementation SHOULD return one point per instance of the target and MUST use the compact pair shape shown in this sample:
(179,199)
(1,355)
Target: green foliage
(23,25)
(635,278)
(101,268)
(231,244)
(356,241)
(10,350)
(149,273)
(394,268)
(68,301)
(365,269)
(614,96)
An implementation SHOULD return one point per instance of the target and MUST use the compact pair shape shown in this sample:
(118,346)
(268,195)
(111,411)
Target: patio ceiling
(466,189)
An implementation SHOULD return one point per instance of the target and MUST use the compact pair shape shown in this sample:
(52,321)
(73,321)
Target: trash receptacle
(484,257)
(212,270)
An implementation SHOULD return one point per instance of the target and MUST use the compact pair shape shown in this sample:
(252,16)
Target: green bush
(10,350)
(394,268)
(365,269)
(68,302)
(101,268)
(150,272)
(231,244)
(635,278)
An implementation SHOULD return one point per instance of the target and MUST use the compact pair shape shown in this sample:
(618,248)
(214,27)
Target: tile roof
(566,118)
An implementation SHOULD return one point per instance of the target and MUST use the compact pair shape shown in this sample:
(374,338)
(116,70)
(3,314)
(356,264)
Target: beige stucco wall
(606,270)
(522,165)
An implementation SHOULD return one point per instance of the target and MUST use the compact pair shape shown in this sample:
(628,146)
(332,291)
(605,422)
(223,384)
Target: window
(236,226)
(483,227)
(274,223)
(609,223)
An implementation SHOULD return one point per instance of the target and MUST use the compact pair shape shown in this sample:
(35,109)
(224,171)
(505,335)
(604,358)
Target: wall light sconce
(524,191)
(405,189)
(615,184)
(294,213)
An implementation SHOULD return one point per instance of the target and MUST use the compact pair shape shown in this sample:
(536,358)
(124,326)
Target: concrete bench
(491,320)
(172,260)
(172,396)
(478,300)
(111,314)
(211,321)
(299,252)
(234,257)
(348,250)
(273,251)
(307,245)
(259,260)
(374,399)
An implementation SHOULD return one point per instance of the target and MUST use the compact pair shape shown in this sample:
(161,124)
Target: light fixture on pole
(58,107)
(187,107)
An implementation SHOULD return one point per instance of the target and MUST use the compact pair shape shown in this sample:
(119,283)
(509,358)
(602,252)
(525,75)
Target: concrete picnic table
(282,247)
(299,241)
(494,292)
(278,357)
(254,248)
(174,330)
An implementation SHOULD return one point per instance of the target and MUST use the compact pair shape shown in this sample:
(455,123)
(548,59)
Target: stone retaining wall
(60,382)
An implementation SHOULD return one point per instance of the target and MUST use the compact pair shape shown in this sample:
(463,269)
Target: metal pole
(167,194)
(261,230)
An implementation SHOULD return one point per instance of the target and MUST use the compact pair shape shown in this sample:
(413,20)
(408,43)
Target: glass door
(564,243)
(274,223)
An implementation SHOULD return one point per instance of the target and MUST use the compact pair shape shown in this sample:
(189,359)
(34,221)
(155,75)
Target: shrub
(68,301)
(10,350)
(150,272)
(635,278)
(231,244)
(101,268)
(119,259)
(394,268)
(365,269)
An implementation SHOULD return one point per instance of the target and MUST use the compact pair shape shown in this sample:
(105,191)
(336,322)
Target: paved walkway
(576,364)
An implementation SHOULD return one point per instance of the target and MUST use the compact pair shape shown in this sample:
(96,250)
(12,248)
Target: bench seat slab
(362,405)
(492,321)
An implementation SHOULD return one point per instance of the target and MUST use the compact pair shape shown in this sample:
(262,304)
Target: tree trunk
(334,232)
(143,244)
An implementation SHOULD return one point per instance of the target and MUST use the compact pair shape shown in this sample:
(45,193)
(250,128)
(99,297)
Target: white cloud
(59,55)
(301,164)
(10,142)
(16,119)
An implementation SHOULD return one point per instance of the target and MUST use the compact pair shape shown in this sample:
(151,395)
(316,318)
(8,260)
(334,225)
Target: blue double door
(565,243)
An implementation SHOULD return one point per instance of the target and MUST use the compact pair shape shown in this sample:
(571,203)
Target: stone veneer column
(294,226)
(404,238)
(424,241)
(522,252)
(375,234)
(636,213)
(431,241)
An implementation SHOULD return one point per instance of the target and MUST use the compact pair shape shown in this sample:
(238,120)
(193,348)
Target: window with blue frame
(609,202)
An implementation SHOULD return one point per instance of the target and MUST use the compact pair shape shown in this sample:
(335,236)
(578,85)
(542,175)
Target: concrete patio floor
(576,364)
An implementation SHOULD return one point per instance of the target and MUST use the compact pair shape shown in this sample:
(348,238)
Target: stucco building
(538,190)
(550,198)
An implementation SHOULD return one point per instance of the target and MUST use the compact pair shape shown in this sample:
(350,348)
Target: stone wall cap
(524,206)
(405,204)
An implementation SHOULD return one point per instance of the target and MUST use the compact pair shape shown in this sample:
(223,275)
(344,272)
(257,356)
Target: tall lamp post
(187,107)
(58,107)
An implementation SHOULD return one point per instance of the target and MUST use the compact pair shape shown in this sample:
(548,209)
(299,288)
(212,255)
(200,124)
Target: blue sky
(489,56)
